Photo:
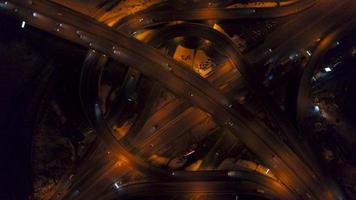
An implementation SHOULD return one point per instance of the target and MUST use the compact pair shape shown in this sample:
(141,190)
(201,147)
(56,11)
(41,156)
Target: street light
(316,108)
(23,24)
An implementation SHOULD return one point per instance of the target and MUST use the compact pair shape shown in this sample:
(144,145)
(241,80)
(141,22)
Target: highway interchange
(296,169)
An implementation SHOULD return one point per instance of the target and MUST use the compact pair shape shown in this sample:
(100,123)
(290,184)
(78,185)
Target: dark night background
(28,61)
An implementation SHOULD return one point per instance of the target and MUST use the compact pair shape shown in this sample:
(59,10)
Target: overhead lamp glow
(267,171)
(23,24)
(190,153)
(316,109)
(308,52)
(116,186)
(34,14)
(116,52)
(327,69)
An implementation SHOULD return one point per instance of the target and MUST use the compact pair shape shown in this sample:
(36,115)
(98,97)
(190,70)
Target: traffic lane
(188,116)
(89,8)
(172,110)
(229,179)
(164,116)
(168,130)
(301,22)
(116,147)
(171,131)
(245,134)
(223,44)
(304,104)
(188,188)
(162,141)
(148,18)
(297,34)
(108,178)
(80,169)
(297,29)
(336,17)
(304,101)
(89,176)
(161,118)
